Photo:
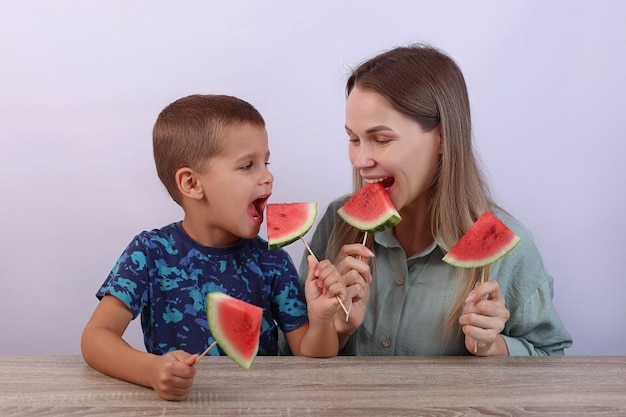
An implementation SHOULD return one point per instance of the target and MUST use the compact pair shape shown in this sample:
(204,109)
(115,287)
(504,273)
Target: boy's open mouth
(256,208)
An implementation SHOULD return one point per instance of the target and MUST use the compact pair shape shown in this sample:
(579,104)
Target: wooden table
(342,386)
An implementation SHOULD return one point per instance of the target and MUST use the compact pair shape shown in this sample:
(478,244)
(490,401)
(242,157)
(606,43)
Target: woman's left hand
(483,319)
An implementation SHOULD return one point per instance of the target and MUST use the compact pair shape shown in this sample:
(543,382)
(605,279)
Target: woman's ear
(188,184)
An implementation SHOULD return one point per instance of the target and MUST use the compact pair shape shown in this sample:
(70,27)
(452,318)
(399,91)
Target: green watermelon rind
(484,261)
(213,300)
(297,234)
(389,219)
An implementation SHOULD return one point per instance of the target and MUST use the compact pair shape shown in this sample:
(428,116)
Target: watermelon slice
(236,327)
(370,209)
(288,222)
(485,242)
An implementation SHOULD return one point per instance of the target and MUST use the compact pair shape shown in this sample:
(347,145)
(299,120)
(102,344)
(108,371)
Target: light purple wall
(81,84)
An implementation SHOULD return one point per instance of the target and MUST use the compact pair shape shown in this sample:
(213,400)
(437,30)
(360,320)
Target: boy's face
(237,184)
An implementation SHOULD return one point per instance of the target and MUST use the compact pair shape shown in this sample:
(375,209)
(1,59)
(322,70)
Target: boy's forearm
(320,340)
(106,352)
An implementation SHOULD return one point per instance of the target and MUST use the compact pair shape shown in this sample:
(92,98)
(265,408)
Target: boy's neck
(205,235)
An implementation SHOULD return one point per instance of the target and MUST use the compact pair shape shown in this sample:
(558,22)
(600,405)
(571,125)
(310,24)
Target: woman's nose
(361,157)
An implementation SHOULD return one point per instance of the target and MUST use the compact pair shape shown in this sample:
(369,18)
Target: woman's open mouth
(387,182)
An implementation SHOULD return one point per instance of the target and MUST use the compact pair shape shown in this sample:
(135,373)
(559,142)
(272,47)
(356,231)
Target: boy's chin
(252,232)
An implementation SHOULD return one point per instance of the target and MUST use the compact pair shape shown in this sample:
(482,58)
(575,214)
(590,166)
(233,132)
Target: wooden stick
(309,249)
(345,310)
(211,346)
(482,280)
(363,243)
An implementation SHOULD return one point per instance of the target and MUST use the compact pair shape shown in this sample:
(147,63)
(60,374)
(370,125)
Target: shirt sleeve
(128,280)
(289,302)
(534,327)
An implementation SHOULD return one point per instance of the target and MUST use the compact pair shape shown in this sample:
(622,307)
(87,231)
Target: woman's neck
(414,231)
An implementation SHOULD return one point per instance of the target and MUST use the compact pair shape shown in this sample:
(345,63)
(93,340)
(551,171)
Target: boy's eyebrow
(251,155)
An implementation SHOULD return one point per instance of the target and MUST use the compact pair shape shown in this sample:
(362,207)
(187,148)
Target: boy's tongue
(255,209)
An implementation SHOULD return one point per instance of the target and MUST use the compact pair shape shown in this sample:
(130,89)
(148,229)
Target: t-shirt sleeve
(128,279)
(288,302)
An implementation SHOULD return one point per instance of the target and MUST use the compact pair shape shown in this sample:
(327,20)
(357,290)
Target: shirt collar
(387,239)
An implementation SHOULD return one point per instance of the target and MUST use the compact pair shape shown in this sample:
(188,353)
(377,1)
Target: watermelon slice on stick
(288,222)
(370,209)
(236,327)
(486,241)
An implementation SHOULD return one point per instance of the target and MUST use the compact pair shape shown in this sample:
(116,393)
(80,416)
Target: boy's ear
(188,184)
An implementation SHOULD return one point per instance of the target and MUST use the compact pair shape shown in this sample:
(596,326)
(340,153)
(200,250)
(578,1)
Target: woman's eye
(382,141)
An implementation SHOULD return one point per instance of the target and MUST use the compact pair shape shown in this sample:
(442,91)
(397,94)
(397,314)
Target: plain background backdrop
(81,84)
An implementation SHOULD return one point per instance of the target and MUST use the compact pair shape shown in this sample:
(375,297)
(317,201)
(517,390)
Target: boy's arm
(319,337)
(170,375)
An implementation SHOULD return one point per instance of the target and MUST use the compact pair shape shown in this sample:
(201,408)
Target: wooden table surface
(341,386)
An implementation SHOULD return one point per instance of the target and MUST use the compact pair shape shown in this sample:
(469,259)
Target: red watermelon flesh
(370,209)
(236,327)
(484,243)
(288,222)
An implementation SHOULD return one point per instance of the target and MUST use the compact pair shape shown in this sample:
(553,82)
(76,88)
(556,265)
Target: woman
(409,126)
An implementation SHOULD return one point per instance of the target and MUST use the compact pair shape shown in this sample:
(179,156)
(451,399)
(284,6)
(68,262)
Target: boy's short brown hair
(191,130)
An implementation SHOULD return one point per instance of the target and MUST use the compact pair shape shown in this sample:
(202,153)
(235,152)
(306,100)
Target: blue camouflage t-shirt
(165,276)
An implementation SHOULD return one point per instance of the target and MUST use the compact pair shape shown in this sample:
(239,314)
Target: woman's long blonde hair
(425,84)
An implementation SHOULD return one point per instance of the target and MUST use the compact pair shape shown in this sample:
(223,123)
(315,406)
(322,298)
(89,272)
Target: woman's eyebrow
(373,129)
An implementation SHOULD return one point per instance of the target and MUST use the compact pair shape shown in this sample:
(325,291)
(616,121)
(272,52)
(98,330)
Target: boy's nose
(267,178)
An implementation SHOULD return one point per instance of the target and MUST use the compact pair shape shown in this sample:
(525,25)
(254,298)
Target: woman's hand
(355,271)
(483,319)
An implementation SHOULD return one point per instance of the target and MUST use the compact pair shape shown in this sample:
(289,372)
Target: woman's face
(387,146)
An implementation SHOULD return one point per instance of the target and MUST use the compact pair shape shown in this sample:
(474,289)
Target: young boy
(211,153)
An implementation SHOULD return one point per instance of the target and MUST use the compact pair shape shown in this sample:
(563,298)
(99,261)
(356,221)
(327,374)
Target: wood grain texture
(342,386)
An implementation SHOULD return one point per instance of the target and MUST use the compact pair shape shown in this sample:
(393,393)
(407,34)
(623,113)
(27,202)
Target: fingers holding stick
(343,307)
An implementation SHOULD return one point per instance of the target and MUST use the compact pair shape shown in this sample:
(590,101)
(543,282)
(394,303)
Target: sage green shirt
(410,298)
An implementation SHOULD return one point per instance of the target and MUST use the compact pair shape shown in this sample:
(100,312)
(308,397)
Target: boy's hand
(173,375)
(322,287)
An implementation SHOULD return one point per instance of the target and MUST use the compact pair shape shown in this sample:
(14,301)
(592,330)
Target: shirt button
(400,281)
(386,342)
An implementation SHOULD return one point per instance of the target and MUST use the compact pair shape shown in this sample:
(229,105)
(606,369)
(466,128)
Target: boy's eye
(247,166)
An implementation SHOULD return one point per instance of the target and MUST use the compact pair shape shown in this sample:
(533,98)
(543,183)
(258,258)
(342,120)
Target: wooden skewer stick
(482,280)
(345,310)
(211,346)
(363,243)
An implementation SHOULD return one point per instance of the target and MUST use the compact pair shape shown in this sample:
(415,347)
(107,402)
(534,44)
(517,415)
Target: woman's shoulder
(514,224)
(338,202)
(522,268)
